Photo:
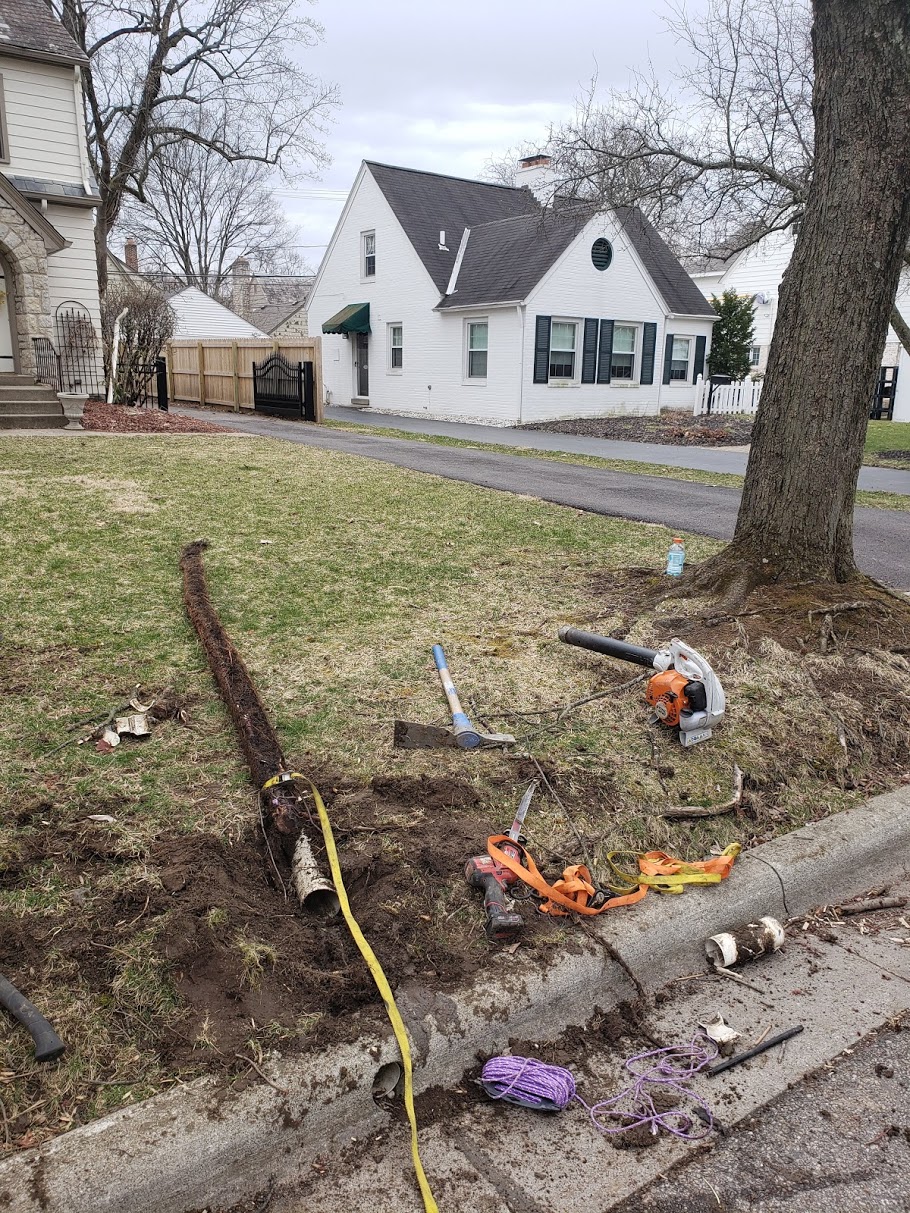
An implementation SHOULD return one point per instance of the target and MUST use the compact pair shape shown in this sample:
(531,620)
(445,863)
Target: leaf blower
(685,693)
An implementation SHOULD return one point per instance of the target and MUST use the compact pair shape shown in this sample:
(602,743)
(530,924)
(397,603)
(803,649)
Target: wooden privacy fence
(221,372)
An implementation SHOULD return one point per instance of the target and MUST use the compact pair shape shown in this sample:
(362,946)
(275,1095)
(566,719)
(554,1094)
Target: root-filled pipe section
(282,806)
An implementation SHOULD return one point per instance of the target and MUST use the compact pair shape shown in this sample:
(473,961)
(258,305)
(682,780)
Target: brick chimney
(241,281)
(536,174)
(131,255)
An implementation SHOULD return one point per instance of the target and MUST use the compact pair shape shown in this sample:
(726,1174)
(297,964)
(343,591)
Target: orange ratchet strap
(574,891)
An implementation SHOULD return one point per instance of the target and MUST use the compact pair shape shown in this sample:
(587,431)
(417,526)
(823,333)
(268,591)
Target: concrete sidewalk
(706,459)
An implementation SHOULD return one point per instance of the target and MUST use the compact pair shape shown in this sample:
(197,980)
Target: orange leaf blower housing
(685,693)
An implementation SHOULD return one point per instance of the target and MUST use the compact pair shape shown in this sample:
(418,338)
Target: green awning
(355,318)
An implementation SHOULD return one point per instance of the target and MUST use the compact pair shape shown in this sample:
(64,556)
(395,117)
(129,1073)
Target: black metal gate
(146,385)
(79,350)
(284,389)
(883,403)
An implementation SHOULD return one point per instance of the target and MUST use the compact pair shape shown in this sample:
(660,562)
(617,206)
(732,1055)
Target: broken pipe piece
(745,943)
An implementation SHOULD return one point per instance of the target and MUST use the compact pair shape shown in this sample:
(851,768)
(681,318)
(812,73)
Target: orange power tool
(483,872)
(685,693)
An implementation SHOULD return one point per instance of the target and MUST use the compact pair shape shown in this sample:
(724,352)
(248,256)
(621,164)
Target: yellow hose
(385,990)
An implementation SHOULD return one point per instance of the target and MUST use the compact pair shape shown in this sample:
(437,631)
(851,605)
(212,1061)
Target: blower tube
(608,646)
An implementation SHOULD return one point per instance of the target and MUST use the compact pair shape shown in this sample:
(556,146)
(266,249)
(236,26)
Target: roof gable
(678,291)
(198,315)
(426,204)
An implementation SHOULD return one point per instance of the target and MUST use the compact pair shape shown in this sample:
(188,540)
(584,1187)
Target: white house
(460,299)
(759,271)
(197,315)
(47,199)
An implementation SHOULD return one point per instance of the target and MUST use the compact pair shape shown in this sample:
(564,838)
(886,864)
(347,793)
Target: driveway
(882,536)
(706,459)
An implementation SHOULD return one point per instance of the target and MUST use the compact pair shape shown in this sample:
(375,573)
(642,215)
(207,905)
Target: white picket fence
(727,398)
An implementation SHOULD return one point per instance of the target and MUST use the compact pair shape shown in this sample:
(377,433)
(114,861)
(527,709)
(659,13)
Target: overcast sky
(445,86)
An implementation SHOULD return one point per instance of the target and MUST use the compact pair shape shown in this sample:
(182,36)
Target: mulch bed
(671,428)
(121,419)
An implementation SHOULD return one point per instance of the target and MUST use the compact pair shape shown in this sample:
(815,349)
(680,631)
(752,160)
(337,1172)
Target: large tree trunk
(796,518)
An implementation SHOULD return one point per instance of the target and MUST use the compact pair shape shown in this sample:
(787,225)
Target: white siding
(902,395)
(198,316)
(72,274)
(756,271)
(431,381)
(41,118)
(760,270)
(574,289)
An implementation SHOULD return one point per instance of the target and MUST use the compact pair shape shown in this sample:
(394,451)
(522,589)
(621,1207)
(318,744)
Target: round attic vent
(601,253)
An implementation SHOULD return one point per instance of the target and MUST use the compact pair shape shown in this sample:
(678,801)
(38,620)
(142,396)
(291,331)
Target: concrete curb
(200,1145)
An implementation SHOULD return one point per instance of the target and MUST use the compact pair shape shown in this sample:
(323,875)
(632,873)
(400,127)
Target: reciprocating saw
(482,872)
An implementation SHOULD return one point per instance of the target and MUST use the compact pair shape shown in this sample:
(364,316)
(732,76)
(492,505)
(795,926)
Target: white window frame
(391,368)
(365,276)
(563,380)
(686,380)
(636,328)
(754,355)
(476,380)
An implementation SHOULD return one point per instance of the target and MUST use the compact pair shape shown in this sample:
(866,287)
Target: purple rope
(656,1070)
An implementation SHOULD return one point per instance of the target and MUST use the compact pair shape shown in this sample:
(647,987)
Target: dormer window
(368,243)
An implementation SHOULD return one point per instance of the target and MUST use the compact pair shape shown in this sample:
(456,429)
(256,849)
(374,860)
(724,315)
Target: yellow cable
(385,990)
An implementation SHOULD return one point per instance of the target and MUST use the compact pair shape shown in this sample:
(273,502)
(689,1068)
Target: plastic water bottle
(676,557)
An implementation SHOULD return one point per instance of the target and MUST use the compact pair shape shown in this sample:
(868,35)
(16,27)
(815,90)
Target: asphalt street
(882,536)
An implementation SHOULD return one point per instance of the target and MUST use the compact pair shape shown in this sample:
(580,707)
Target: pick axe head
(412,736)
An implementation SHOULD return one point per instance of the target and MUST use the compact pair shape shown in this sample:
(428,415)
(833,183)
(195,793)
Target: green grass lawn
(888,436)
(886,501)
(334,575)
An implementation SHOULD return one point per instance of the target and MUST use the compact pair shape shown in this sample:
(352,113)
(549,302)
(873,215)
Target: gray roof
(28,28)
(514,240)
(427,203)
(51,189)
(679,292)
(273,298)
(505,260)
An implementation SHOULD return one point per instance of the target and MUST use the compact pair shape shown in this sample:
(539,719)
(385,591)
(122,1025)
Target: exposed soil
(674,427)
(239,960)
(898,454)
(121,419)
(199,895)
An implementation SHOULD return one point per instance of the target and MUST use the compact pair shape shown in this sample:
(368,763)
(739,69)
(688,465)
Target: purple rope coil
(533,1084)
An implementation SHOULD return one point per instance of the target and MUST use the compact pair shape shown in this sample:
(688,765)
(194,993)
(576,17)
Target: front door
(362,364)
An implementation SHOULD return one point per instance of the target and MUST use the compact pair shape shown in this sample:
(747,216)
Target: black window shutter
(542,350)
(648,344)
(589,352)
(668,357)
(698,366)
(605,352)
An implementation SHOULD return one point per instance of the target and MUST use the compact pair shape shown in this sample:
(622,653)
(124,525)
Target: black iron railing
(47,362)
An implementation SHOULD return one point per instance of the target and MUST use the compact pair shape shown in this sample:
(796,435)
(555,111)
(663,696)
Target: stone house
(49,308)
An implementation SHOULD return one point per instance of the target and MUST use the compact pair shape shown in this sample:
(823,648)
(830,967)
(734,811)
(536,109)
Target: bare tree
(155,65)
(147,325)
(795,521)
(725,154)
(202,212)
